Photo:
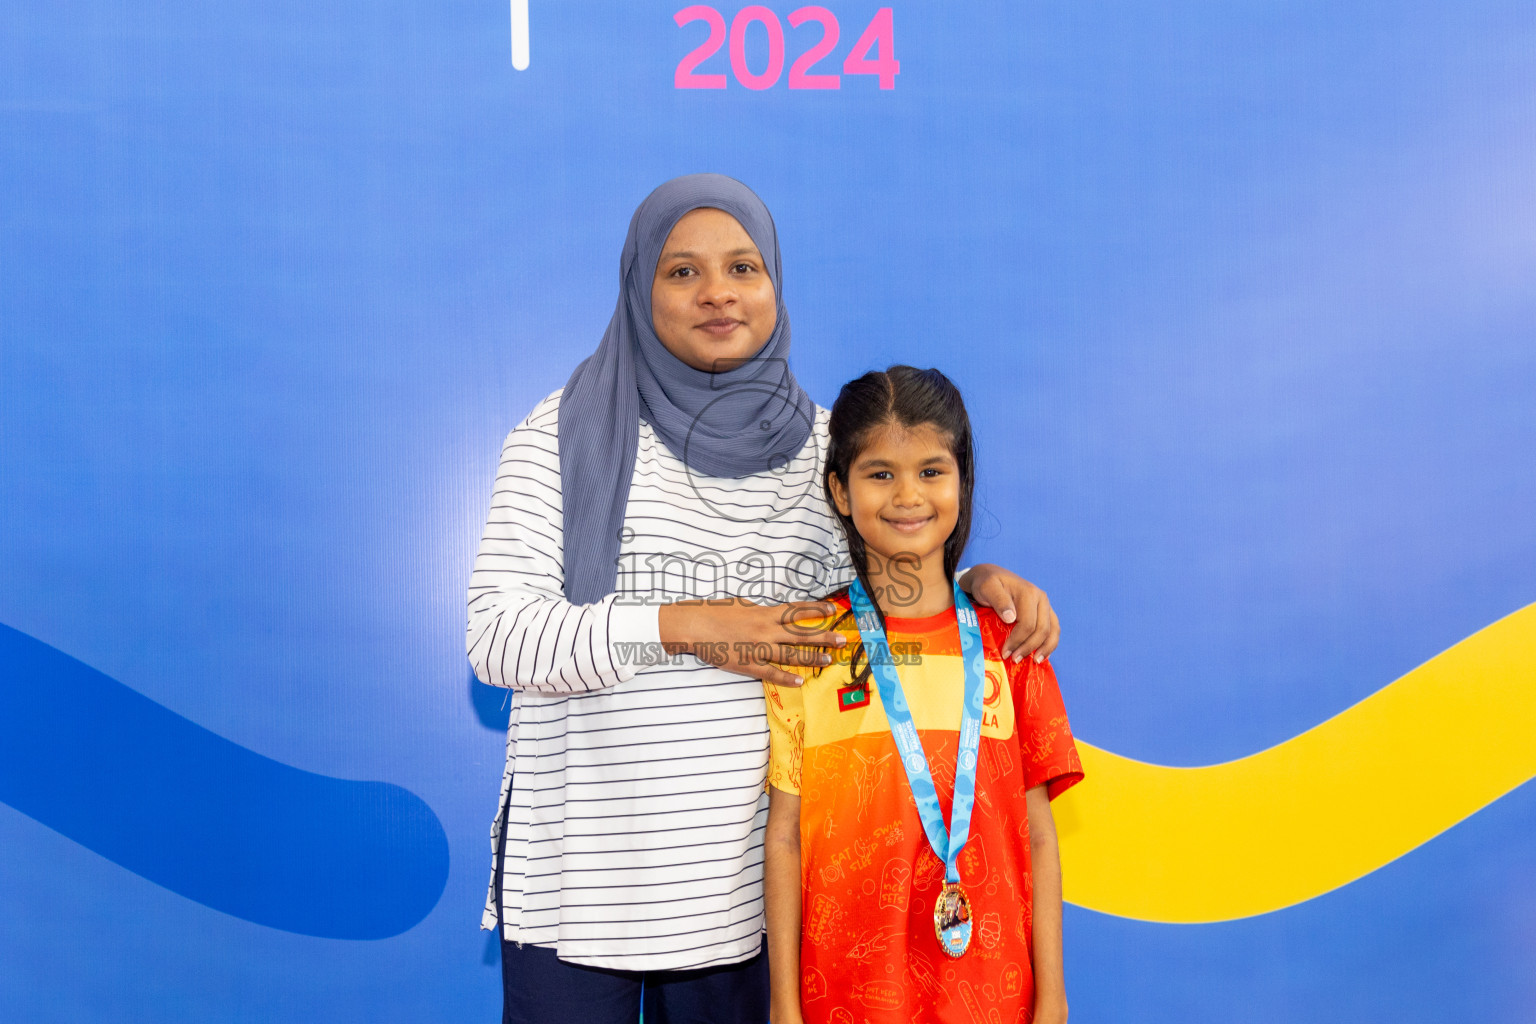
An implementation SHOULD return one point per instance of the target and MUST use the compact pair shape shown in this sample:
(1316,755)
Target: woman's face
(712,303)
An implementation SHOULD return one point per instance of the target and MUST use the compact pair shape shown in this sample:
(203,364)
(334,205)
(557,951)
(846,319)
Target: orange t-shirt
(868,876)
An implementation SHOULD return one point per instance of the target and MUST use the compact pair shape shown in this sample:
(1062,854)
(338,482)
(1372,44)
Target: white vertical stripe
(520,34)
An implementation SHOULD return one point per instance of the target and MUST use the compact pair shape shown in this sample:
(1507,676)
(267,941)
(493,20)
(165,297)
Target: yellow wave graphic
(1316,812)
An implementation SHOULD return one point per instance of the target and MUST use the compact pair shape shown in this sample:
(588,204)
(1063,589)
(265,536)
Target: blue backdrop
(1242,297)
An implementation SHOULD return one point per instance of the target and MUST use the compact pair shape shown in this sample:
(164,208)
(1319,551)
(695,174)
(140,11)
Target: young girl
(911,867)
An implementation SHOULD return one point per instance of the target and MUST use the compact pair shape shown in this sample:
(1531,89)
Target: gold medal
(952,919)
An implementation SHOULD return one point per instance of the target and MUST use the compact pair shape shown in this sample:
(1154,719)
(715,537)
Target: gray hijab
(749,419)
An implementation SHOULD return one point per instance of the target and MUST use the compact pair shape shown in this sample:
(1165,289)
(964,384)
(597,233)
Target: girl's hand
(784,1014)
(1050,1011)
(767,642)
(1036,629)
(781,901)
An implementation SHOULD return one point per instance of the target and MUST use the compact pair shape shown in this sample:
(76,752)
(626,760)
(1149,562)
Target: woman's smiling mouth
(720,327)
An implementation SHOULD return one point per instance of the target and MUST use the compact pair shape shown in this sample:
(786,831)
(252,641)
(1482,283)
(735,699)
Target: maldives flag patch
(854,695)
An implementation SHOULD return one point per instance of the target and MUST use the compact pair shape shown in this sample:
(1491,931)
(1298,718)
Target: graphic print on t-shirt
(869,878)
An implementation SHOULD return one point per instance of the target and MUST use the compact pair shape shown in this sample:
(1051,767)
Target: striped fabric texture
(634,790)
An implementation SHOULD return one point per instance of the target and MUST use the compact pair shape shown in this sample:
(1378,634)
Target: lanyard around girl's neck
(947,844)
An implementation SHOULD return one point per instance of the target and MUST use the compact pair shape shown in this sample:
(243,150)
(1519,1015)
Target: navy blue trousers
(540,988)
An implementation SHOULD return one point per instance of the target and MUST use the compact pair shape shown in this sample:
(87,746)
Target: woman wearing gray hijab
(656,531)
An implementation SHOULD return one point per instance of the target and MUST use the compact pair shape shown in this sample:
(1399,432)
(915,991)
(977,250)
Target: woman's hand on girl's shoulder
(1036,629)
(771,642)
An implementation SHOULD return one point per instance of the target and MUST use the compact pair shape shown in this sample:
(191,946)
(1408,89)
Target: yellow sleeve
(786,736)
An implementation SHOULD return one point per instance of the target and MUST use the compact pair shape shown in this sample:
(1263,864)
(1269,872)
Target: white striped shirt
(635,795)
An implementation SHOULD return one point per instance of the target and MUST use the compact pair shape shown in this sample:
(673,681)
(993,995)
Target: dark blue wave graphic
(205,817)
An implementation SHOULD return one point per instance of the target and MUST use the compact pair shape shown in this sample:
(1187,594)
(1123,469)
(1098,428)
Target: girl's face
(903,493)
(712,303)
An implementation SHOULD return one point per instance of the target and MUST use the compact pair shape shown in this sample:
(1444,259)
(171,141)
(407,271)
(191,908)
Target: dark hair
(907,397)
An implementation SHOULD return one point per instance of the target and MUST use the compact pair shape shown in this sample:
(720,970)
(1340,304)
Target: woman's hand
(767,642)
(1016,600)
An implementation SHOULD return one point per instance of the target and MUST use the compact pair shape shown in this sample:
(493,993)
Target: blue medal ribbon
(947,844)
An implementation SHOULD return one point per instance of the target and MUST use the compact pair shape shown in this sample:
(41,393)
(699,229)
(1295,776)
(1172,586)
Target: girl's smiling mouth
(908,524)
